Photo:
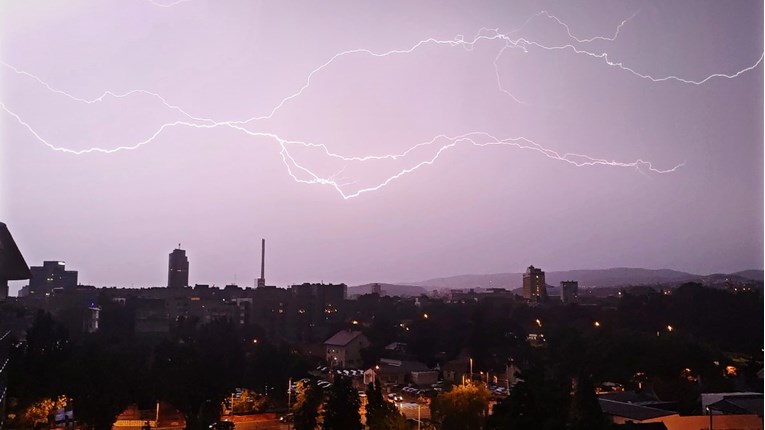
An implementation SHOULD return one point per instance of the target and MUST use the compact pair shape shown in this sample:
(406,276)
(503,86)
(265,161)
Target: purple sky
(217,187)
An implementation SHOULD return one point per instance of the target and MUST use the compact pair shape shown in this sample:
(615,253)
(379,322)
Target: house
(735,413)
(164,416)
(623,412)
(343,350)
(743,403)
(399,372)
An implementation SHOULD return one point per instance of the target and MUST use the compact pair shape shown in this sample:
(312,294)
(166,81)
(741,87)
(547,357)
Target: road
(262,425)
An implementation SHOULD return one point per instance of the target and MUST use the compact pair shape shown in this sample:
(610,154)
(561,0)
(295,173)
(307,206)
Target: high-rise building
(534,287)
(569,292)
(178,270)
(52,274)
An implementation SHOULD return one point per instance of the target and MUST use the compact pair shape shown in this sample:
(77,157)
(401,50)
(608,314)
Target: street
(262,425)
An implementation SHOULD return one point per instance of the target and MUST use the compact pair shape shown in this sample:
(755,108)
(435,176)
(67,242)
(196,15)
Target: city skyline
(548,160)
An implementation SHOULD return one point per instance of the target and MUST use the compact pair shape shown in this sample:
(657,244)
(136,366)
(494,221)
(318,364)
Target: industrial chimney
(262,279)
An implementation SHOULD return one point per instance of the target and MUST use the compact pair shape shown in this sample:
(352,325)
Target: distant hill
(389,289)
(620,276)
(754,275)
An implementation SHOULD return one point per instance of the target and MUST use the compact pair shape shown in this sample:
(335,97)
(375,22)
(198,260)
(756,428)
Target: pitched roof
(748,404)
(342,338)
(12,264)
(634,412)
(632,397)
(404,366)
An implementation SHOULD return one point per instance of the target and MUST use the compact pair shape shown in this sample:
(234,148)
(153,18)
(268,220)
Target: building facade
(343,350)
(52,274)
(534,286)
(178,269)
(569,292)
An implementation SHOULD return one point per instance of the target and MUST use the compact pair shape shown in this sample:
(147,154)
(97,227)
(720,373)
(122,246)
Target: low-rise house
(343,350)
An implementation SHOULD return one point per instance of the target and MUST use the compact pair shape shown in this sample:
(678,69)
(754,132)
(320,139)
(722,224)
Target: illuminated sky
(500,136)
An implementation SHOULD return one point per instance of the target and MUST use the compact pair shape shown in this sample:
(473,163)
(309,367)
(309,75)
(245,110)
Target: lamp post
(289,393)
(471,370)
(419,417)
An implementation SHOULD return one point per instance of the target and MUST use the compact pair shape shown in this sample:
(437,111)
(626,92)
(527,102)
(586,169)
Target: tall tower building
(178,270)
(534,287)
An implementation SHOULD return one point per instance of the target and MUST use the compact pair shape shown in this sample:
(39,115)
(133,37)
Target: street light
(597,323)
(419,416)
(669,328)
(539,323)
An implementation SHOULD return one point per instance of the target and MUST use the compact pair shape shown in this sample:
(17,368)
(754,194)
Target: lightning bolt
(302,174)
(167,5)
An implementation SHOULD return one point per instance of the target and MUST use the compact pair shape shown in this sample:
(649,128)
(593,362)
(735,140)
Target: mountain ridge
(587,278)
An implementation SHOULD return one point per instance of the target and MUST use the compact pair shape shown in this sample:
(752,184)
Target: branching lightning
(303,174)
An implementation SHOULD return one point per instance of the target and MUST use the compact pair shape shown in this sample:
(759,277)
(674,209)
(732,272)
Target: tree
(585,412)
(36,374)
(341,411)
(42,412)
(104,378)
(306,407)
(206,366)
(462,408)
(382,414)
(537,402)
(249,402)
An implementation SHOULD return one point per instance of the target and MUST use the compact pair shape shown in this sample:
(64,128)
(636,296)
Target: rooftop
(632,411)
(342,338)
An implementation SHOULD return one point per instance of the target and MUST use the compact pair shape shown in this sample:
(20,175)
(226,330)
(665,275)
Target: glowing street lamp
(597,324)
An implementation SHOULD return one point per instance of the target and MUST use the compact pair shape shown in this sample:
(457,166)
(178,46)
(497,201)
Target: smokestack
(263,260)
(262,280)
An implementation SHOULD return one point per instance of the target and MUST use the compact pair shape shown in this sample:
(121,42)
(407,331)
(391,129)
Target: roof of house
(632,397)
(748,404)
(404,366)
(342,338)
(631,411)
